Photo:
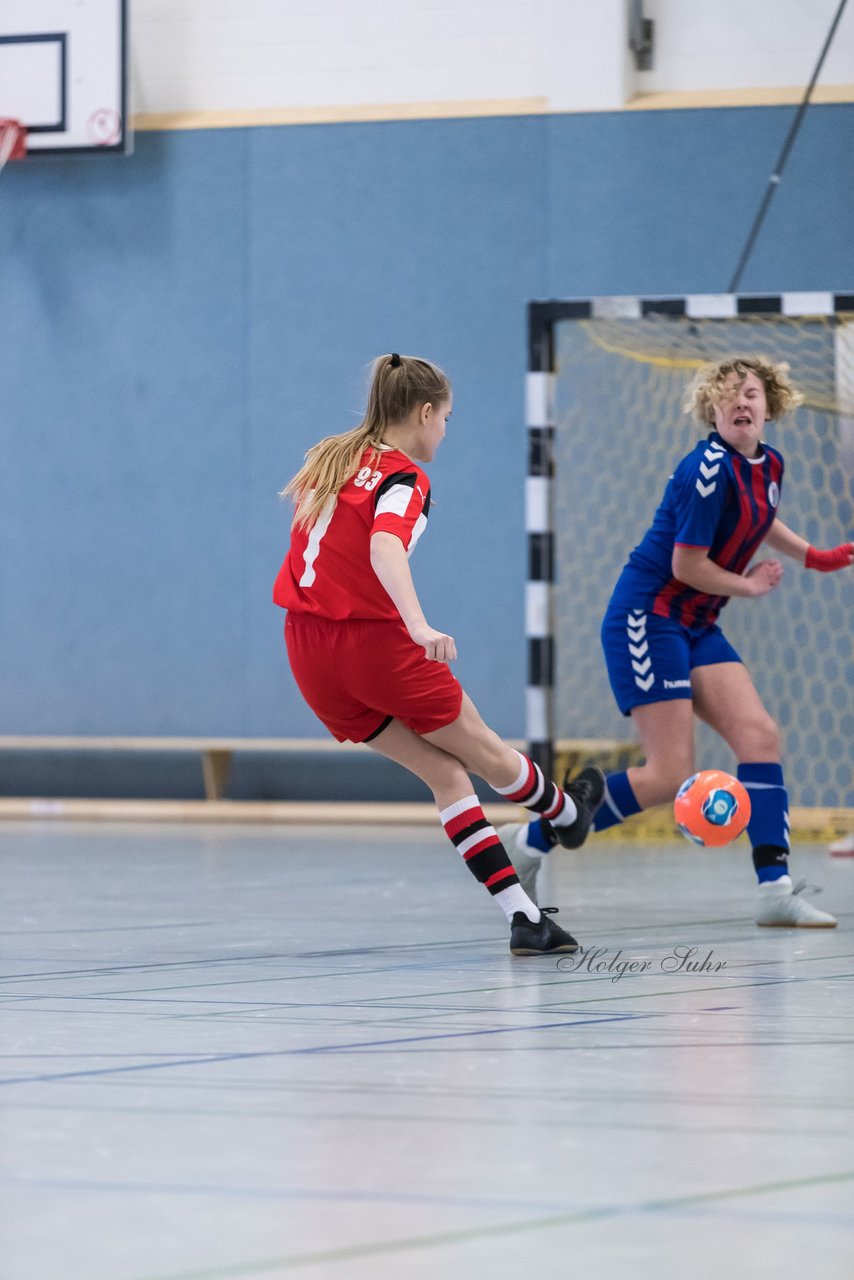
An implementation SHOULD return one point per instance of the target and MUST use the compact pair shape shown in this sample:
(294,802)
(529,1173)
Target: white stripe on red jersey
(327,571)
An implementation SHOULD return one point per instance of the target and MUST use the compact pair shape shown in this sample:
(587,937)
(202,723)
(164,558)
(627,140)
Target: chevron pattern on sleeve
(709,469)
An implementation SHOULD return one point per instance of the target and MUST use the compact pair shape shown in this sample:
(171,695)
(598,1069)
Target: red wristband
(828,561)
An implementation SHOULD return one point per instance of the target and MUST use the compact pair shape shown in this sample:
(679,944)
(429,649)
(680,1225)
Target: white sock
(568,814)
(538,794)
(516,899)
(784,882)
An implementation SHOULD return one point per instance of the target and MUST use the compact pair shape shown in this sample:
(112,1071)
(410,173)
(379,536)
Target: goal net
(619,385)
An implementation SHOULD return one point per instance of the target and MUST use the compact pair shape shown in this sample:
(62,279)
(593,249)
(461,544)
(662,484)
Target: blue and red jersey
(718,500)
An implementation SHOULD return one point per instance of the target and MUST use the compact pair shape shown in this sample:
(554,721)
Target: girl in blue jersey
(668,659)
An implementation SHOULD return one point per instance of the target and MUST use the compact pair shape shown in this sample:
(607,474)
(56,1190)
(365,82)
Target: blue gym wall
(177,327)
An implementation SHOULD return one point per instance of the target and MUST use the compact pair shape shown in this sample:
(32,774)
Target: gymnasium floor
(258,1052)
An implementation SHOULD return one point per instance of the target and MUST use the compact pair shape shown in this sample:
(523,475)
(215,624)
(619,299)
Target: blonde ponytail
(328,466)
(398,385)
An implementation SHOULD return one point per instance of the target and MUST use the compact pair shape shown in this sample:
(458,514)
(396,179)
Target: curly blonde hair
(708,387)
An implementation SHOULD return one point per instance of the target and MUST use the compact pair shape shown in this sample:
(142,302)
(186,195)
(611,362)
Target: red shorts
(357,675)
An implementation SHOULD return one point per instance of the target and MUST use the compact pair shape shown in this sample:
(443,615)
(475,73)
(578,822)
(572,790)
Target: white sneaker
(781,906)
(527,863)
(844,846)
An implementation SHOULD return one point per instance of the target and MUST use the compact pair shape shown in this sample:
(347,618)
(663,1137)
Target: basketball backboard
(63,73)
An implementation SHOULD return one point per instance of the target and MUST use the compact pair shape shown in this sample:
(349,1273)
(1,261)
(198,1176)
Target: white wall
(215,55)
(209,54)
(717,44)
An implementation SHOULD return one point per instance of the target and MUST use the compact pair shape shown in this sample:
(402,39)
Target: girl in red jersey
(370,665)
(668,659)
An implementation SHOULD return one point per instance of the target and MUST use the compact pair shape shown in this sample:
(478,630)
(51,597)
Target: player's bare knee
(759,740)
(497,758)
(484,753)
(672,779)
(668,776)
(445,774)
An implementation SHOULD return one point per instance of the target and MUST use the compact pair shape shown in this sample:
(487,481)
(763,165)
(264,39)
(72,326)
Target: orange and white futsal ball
(711,808)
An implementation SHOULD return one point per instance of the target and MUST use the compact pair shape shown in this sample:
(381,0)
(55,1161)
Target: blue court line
(129,995)
(783,1218)
(383,1117)
(667,1205)
(318,1089)
(622,929)
(340,1194)
(662,1046)
(93,1053)
(116,928)
(591,1020)
(148,967)
(827,1218)
(345,1195)
(238,981)
(314,975)
(290,956)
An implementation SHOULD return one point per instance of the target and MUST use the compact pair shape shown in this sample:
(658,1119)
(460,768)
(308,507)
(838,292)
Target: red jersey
(327,571)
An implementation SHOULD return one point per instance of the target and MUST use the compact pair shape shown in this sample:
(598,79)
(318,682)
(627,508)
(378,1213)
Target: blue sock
(620,802)
(768,828)
(536,838)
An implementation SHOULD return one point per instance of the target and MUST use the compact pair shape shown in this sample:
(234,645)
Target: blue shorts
(650,659)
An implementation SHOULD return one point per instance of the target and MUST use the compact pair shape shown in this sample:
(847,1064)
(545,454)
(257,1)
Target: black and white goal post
(605,380)
(539,526)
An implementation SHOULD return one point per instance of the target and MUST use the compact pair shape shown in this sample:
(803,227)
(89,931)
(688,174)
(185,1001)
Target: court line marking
(116,928)
(343,1194)
(529,1225)
(365,1048)
(208,1060)
(178,965)
(148,967)
(411,947)
(166,966)
(369,1088)
(785,1128)
(353,974)
(382,1196)
(133,995)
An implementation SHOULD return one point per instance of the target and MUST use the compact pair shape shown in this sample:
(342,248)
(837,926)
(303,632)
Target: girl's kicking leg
(568,813)
(532,933)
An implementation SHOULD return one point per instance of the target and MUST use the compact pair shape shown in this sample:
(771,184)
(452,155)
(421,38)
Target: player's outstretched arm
(390,564)
(692,566)
(781,538)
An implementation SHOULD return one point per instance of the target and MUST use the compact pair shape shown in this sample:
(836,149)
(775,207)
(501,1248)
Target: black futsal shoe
(587,791)
(540,939)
